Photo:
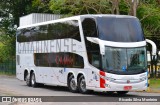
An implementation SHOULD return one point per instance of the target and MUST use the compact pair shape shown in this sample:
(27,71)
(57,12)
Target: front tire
(33,80)
(82,85)
(72,84)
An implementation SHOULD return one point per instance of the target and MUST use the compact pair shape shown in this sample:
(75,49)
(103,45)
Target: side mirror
(154,57)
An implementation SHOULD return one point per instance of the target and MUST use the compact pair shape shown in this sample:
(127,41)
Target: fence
(8,67)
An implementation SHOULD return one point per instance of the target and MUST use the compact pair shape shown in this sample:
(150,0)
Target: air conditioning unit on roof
(37,18)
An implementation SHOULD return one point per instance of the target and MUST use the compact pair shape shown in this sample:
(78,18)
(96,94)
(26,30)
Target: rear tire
(33,80)
(72,84)
(28,80)
(82,85)
(122,92)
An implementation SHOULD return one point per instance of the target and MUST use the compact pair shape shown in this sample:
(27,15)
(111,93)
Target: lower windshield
(124,60)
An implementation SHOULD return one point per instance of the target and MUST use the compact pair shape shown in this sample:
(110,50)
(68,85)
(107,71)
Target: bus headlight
(107,78)
(107,85)
(143,78)
(110,79)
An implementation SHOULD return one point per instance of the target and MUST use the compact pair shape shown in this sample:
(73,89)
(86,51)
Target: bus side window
(23,35)
(41,33)
(18,60)
(63,30)
(19,35)
(89,27)
(73,30)
(93,50)
(95,60)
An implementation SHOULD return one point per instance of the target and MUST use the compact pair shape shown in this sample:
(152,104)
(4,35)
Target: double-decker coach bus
(85,52)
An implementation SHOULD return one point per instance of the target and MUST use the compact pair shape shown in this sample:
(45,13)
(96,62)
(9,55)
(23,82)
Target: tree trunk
(158,1)
(115,6)
(155,75)
(133,7)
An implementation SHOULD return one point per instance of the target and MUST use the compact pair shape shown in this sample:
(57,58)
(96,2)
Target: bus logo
(128,81)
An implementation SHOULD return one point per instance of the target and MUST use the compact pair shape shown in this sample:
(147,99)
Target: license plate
(127,87)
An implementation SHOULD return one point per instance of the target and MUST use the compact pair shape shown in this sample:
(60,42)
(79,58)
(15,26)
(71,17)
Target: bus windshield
(124,60)
(119,29)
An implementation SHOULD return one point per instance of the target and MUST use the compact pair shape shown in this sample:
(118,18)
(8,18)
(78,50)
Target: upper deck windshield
(124,60)
(119,29)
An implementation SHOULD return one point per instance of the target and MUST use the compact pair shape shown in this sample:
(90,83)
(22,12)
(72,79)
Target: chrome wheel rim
(27,79)
(73,84)
(83,85)
(33,80)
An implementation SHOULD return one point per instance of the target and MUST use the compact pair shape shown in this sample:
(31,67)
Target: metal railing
(8,67)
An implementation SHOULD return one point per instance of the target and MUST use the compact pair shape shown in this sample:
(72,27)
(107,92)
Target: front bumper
(110,86)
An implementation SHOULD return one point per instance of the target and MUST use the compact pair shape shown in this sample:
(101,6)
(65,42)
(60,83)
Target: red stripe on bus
(102,81)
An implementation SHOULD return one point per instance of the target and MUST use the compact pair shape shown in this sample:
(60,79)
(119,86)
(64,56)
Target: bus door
(19,70)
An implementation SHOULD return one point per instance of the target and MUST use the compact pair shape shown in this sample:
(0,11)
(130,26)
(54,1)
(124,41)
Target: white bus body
(86,52)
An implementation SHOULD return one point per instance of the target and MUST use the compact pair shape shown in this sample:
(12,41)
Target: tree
(7,39)
(78,7)
(148,13)
(115,6)
(10,12)
(40,6)
(133,8)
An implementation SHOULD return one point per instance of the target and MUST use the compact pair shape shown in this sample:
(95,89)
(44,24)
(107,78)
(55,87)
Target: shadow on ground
(92,93)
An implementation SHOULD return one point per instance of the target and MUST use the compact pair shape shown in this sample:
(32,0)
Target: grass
(155,83)
(6,73)
(154,86)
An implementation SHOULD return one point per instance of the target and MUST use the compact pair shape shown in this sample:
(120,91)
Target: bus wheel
(33,80)
(82,85)
(28,80)
(122,92)
(72,84)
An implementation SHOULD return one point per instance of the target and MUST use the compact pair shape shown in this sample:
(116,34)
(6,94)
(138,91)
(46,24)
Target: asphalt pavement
(10,86)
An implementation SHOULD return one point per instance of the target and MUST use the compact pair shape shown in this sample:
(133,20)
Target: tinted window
(89,27)
(72,30)
(23,35)
(72,60)
(55,31)
(119,29)
(61,30)
(69,60)
(93,50)
(40,33)
(18,60)
(69,29)
(41,59)
(32,34)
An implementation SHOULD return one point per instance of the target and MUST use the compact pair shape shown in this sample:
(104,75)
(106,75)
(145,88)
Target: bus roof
(77,17)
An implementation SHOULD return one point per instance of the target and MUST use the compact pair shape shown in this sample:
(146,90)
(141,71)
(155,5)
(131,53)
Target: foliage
(78,7)
(17,8)
(155,83)
(150,18)
(40,6)
(10,11)
(7,39)
(147,10)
